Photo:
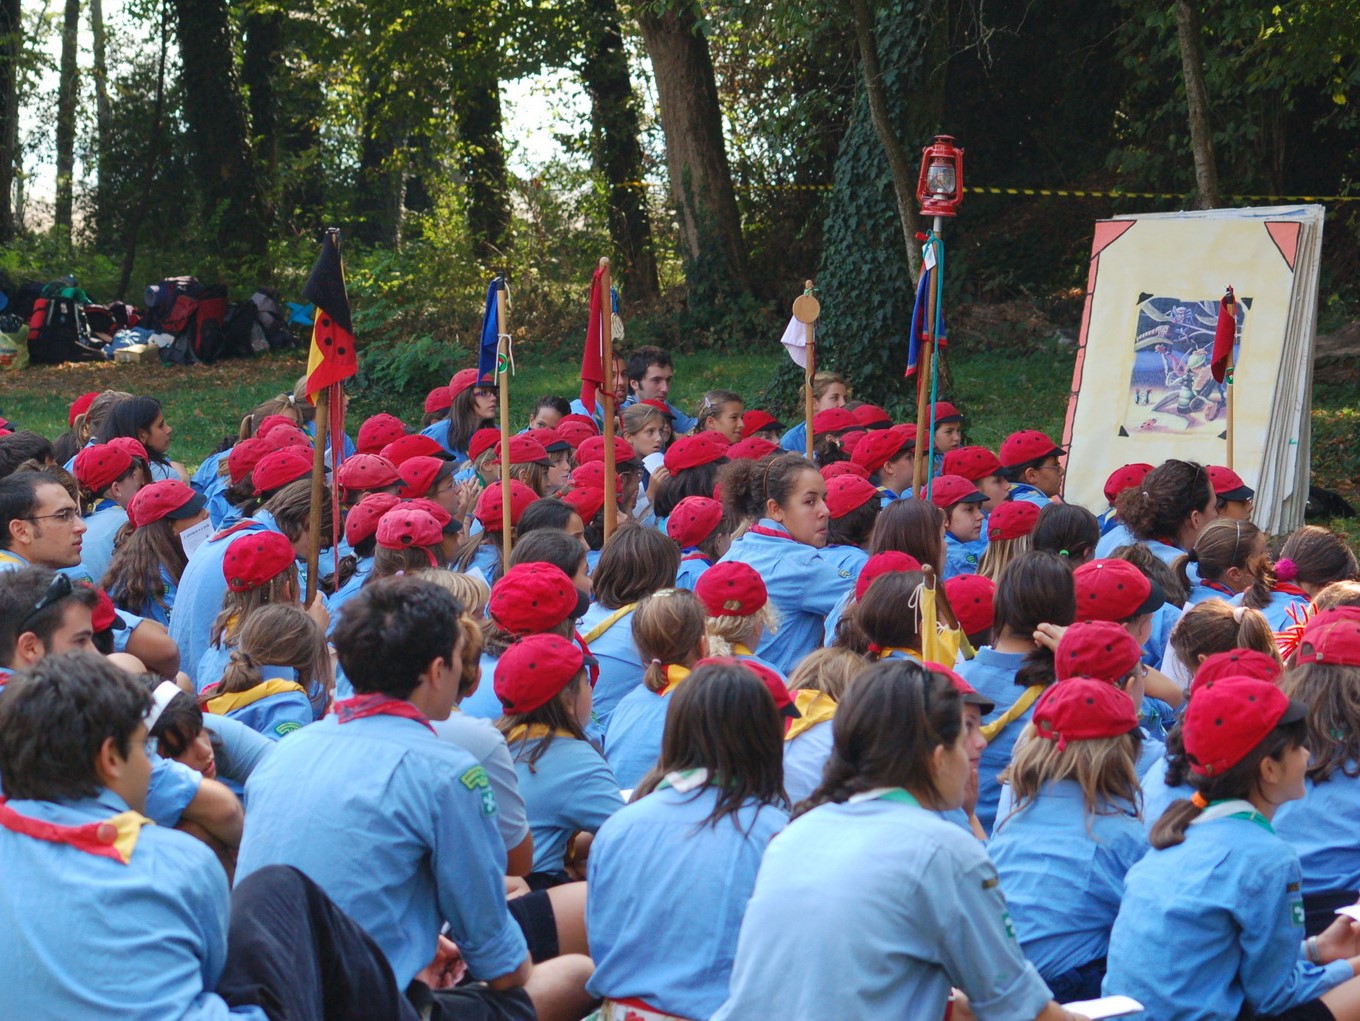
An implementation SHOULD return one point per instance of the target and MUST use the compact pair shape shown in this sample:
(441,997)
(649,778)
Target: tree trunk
(68,92)
(616,151)
(379,202)
(103,118)
(259,61)
(696,154)
(484,171)
(152,161)
(11,41)
(1197,99)
(219,139)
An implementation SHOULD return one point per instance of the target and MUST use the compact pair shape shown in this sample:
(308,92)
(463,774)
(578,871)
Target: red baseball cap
(532,597)
(366,471)
(413,445)
(871,416)
(774,684)
(419,474)
(1027,445)
(1114,590)
(592,474)
(405,526)
(1237,663)
(947,490)
(693,451)
(377,432)
(731,588)
(245,455)
(879,447)
(945,412)
(273,471)
(1083,709)
(972,598)
(100,466)
(1012,519)
(438,399)
(489,504)
(575,433)
(888,562)
(1125,477)
(580,419)
(838,468)
(1228,485)
(848,492)
(1333,637)
(693,519)
(133,447)
(552,441)
(462,379)
(1229,717)
(753,448)
(758,420)
(524,449)
(256,558)
(80,405)
(362,520)
(658,405)
(850,440)
(1096,648)
(970,694)
(833,420)
(272,421)
(536,669)
(971,463)
(592,449)
(103,616)
(286,434)
(442,518)
(587,501)
(169,498)
(482,441)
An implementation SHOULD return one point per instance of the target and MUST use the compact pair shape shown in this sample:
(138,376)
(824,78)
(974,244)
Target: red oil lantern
(940,188)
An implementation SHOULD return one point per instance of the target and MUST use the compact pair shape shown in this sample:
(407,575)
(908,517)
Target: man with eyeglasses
(39,523)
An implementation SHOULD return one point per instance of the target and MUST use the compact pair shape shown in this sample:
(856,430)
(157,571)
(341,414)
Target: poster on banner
(1142,385)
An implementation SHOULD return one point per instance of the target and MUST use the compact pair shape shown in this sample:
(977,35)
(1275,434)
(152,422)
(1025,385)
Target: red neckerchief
(594,671)
(1290,589)
(772,532)
(97,838)
(695,555)
(240,526)
(356,708)
(1217,586)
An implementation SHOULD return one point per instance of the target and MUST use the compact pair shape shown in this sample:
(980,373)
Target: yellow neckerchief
(607,623)
(223,704)
(533,731)
(740,650)
(884,653)
(6,557)
(816,707)
(675,673)
(1027,698)
(115,837)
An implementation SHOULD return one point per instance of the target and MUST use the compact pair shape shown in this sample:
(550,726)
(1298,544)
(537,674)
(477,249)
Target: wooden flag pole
(1232,368)
(323,417)
(503,378)
(925,371)
(806,309)
(611,496)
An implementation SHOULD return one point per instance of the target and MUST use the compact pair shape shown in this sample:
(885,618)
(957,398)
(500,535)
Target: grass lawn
(999,391)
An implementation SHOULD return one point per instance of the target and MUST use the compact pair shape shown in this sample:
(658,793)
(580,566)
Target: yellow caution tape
(1052,193)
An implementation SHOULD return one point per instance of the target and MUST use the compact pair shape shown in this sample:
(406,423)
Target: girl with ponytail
(913,900)
(1212,920)
(1310,560)
(1230,557)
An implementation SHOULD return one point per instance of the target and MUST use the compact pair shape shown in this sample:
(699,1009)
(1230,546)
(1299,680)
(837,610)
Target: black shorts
(474,1002)
(534,914)
(1313,1010)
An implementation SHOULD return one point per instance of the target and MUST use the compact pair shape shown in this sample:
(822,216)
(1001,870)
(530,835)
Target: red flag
(332,357)
(1225,334)
(592,355)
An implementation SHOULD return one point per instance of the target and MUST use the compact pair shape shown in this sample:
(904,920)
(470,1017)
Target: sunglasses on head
(58,590)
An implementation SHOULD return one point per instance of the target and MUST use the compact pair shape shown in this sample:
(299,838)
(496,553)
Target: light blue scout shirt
(992,673)
(962,557)
(238,749)
(275,707)
(1063,873)
(202,588)
(804,759)
(1027,493)
(1322,828)
(621,667)
(1107,519)
(486,744)
(660,876)
(363,567)
(833,618)
(693,564)
(399,828)
(1202,591)
(900,906)
(1118,535)
(597,416)
(96,545)
(632,741)
(569,788)
(483,704)
(1158,796)
(1164,552)
(208,472)
(1287,602)
(802,585)
(158,609)
(1215,924)
(90,936)
(795,439)
(845,558)
(439,432)
(173,786)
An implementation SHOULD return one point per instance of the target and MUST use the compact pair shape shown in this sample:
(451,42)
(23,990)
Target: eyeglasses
(484,391)
(58,590)
(66,515)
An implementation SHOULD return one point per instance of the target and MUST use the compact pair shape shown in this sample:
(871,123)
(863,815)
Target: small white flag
(795,342)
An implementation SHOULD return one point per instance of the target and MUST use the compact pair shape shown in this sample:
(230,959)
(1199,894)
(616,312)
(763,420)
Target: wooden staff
(323,408)
(611,496)
(925,371)
(503,374)
(806,309)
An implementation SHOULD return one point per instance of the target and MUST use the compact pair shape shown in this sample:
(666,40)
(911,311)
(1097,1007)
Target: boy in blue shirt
(1029,461)
(650,371)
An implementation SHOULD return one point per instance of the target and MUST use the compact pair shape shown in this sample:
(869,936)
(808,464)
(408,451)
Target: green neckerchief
(1234,808)
(886,794)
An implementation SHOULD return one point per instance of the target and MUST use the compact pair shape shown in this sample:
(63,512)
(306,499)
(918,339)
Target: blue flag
(491,331)
(920,329)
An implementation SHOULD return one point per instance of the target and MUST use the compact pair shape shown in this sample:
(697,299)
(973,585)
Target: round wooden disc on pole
(807,309)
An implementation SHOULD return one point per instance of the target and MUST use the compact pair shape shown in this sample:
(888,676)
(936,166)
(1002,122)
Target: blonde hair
(668,628)
(1103,767)
(471,591)
(470,659)
(280,634)
(729,630)
(89,423)
(827,670)
(635,418)
(533,475)
(1215,626)
(238,607)
(823,380)
(1001,552)
(1338,593)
